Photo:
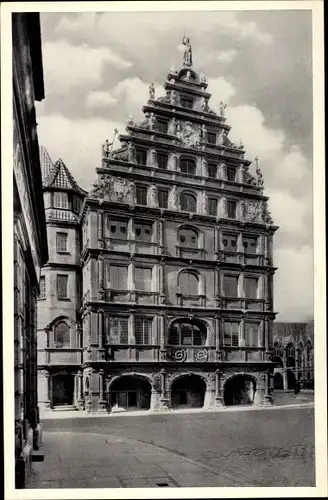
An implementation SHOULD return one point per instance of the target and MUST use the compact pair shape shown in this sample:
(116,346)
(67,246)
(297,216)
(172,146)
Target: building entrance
(63,389)
(131,393)
(188,391)
(239,390)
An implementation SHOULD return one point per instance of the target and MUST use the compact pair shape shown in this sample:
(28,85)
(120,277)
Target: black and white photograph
(165,292)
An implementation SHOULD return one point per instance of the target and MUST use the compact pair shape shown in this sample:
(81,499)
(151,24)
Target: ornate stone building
(293,353)
(30,239)
(176,267)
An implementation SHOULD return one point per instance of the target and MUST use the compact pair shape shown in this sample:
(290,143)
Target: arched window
(290,351)
(188,283)
(188,202)
(188,166)
(186,332)
(278,350)
(61,335)
(188,238)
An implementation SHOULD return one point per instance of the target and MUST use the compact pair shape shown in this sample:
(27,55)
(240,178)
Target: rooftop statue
(187,57)
(152,91)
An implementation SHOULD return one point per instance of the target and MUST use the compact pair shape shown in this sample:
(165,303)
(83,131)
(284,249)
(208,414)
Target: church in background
(158,292)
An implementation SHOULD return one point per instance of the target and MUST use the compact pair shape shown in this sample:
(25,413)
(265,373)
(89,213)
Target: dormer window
(162,126)
(141,156)
(60,200)
(231,174)
(186,102)
(211,137)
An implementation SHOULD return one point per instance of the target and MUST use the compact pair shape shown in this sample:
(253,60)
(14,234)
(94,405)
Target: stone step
(64,408)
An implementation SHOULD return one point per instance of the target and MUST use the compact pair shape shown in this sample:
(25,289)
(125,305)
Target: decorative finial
(241,145)
(260,181)
(152,91)
(187,57)
(222,108)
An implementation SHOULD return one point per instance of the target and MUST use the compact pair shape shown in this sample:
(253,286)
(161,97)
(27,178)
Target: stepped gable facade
(176,266)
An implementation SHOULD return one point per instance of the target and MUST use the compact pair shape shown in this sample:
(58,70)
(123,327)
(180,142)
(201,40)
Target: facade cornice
(58,265)
(183,181)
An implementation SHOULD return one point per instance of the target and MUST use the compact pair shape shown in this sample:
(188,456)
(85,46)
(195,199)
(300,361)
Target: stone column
(132,337)
(164,401)
(47,403)
(100,228)
(285,379)
(101,349)
(80,402)
(218,340)
(161,236)
(268,399)
(218,398)
(102,404)
(162,349)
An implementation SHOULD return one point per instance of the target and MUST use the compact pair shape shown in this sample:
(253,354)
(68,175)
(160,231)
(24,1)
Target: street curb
(79,414)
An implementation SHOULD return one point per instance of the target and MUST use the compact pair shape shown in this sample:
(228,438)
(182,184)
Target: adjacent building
(293,353)
(30,237)
(158,292)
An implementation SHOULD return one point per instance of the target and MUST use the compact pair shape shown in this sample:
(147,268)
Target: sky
(97,71)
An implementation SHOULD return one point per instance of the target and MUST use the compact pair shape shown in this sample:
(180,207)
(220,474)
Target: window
(42,287)
(117,332)
(250,244)
(231,334)
(212,170)
(76,204)
(143,331)
(141,156)
(231,209)
(141,193)
(187,166)
(162,126)
(162,160)
(252,334)
(143,232)
(231,174)
(118,277)
(186,102)
(60,200)
(143,279)
(62,282)
(212,206)
(230,286)
(118,229)
(61,242)
(250,287)
(211,137)
(163,197)
(229,242)
(188,283)
(61,335)
(188,238)
(188,203)
(187,333)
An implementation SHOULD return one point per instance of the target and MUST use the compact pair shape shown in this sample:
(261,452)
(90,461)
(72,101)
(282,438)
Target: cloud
(226,56)
(77,142)
(69,66)
(294,284)
(99,99)
(221,90)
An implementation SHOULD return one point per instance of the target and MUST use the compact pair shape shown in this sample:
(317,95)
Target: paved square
(251,448)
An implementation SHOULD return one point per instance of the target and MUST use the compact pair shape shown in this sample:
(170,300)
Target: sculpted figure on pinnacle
(187,57)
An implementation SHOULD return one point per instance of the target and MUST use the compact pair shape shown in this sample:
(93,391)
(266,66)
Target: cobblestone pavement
(263,448)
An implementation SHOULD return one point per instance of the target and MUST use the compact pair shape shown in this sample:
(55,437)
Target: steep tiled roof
(292,332)
(57,174)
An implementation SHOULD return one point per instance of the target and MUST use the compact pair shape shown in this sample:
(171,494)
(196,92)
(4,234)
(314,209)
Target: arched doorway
(278,381)
(239,390)
(131,393)
(188,391)
(291,380)
(62,389)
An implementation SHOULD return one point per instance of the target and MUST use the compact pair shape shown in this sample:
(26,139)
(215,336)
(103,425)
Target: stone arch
(174,377)
(199,232)
(188,390)
(188,204)
(239,389)
(195,272)
(278,362)
(141,376)
(199,323)
(130,391)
